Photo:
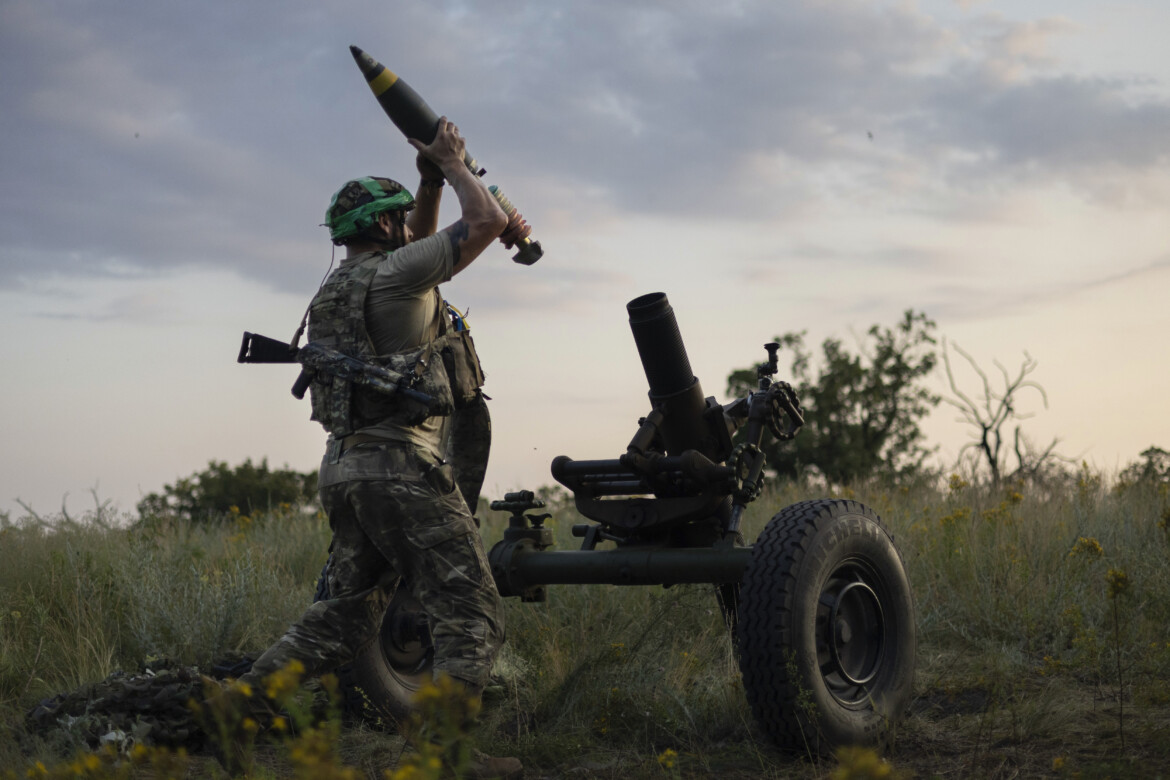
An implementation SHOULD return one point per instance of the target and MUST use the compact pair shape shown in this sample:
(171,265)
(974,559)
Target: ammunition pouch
(426,366)
(447,369)
(462,366)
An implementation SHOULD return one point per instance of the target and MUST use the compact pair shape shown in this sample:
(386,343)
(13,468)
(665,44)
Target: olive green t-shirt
(403,307)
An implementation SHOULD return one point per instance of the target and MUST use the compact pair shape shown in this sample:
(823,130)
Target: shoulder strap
(441,307)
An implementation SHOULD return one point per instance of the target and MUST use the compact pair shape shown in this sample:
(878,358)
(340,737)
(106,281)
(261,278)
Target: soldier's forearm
(479,209)
(424,219)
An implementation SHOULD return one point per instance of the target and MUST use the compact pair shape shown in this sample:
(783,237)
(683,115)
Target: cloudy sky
(1002,166)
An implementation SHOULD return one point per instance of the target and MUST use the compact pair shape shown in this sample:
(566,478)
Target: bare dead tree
(992,410)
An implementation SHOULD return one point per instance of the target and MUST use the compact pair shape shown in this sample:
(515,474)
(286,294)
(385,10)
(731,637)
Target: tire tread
(771,681)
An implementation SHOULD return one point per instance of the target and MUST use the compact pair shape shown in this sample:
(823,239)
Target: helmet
(358,203)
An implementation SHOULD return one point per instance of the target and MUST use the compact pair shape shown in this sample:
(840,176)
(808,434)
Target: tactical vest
(447,369)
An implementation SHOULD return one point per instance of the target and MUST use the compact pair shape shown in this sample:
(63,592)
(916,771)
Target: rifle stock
(315,357)
(261,349)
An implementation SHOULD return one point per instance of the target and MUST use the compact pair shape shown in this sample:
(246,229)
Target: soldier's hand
(447,148)
(427,169)
(516,230)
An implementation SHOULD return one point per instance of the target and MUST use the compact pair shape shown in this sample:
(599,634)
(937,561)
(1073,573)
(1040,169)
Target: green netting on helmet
(359,202)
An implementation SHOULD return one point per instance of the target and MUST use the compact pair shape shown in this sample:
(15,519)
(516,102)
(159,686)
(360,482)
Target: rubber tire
(805,565)
(379,685)
(388,673)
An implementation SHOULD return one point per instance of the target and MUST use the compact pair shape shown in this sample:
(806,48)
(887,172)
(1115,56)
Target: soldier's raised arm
(482,219)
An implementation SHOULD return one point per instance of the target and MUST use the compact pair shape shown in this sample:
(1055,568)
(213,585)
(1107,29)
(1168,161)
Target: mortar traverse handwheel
(785,416)
(826,628)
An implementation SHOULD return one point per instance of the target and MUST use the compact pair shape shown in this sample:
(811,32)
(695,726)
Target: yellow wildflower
(1088,547)
(857,763)
(427,694)
(284,681)
(1118,582)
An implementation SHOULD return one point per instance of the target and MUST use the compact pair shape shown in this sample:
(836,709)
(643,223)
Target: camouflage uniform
(394,510)
(397,513)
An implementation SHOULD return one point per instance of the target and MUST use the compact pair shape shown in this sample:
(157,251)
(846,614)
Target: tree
(1152,469)
(861,412)
(212,493)
(992,411)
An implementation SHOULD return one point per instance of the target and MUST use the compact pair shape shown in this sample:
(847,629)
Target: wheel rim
(406,640)
(851,631)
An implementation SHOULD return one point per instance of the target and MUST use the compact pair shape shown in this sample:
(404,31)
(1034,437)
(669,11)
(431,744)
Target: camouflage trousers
(396,513)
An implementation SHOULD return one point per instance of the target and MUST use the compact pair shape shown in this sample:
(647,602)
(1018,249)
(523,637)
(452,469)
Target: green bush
(219,491)
(861,411)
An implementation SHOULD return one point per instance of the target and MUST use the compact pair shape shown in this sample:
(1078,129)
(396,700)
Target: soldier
(392,503)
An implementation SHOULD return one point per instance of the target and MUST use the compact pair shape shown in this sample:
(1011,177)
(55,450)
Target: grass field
(1043,614)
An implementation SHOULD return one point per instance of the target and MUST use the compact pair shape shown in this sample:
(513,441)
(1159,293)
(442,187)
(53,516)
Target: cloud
(979,104)
(168,137)
(1058,128)
(141,308)
(978,301)
(113,161)
(1012,51)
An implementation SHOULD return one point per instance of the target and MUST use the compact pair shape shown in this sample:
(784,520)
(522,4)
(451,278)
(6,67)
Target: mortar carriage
(819,604)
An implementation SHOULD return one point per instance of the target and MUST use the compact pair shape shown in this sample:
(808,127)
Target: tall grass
(80,598)
(1031,658)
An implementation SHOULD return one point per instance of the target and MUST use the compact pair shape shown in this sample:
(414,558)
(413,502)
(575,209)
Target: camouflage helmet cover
(358,203)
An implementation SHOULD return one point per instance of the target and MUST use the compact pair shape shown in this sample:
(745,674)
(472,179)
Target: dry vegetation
(1042,619)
